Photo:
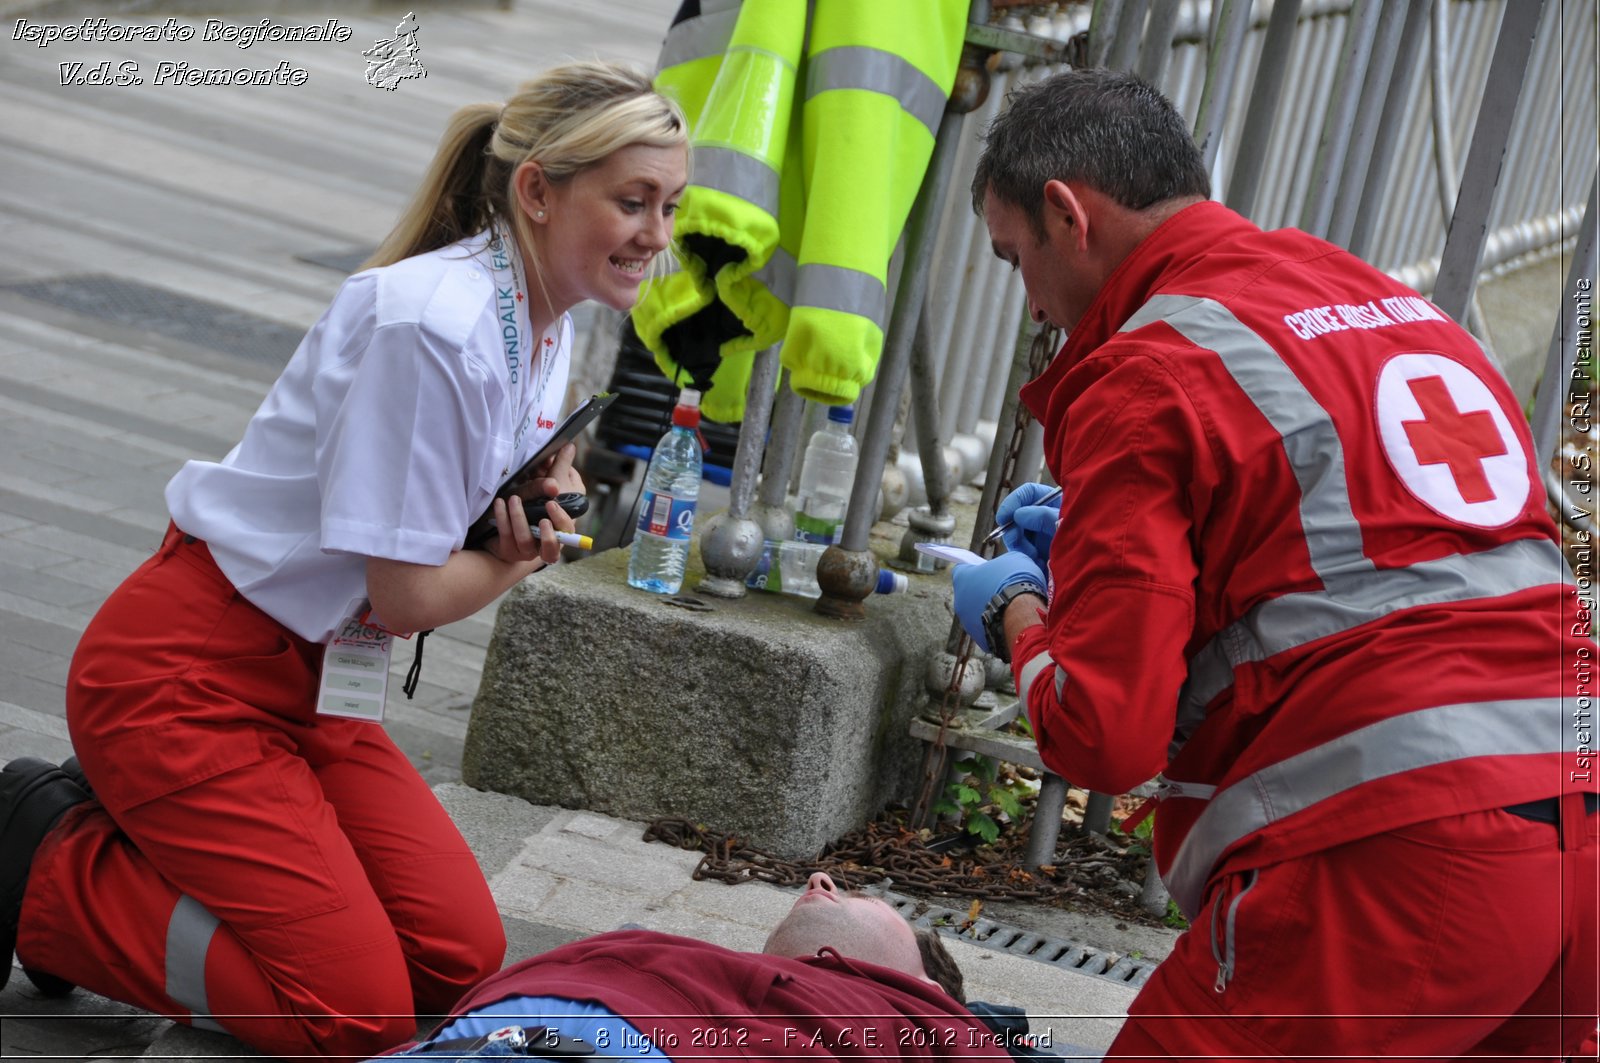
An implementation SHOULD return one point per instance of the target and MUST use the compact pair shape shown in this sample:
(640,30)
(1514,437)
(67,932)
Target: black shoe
(48,984)
(34,795)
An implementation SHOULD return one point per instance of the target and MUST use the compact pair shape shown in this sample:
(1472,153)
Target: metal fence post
(771,510)
(731,544)
(1224,64)
(1261,114)
(1396,110)
(1340,119)
(1469,225)
(846,571)
(1375,89)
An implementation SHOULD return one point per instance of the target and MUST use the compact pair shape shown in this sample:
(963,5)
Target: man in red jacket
(842,976)
(1307,575)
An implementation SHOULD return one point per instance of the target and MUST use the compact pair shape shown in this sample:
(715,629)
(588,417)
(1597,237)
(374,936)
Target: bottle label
(767,575)
(664,515)
(811,530)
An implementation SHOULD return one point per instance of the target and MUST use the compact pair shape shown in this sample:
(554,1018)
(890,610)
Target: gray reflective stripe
(1347,602)
(1333,536)
(1030,671)
(848,291)
(874,70)
(1420,739)
(779,275)
(702,37)
(188,937)
(737,174)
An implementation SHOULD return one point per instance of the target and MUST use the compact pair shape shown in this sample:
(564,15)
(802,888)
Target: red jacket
(1303,553)
(697,1000)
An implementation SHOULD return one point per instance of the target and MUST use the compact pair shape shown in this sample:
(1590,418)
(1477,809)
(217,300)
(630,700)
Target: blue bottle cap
(842,414)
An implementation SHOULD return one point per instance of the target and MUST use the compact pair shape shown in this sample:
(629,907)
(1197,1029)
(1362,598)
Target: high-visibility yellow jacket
(804,169)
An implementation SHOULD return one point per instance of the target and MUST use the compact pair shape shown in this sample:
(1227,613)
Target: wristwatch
(994,615)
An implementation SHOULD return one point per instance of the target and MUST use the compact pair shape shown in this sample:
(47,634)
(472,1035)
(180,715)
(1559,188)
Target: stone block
(755,716)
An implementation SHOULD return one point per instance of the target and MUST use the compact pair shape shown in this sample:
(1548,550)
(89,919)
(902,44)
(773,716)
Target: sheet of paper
(954,554)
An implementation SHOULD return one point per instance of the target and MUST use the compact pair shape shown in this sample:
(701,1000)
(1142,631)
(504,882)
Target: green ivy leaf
(1008,803)
(968,796)
(984,827)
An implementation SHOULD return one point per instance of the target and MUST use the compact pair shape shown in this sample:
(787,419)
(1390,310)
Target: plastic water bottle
(666,513)
(827,475)
(791,568)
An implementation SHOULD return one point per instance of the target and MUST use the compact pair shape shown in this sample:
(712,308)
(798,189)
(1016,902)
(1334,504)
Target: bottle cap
(686,414)
(891,582)
(842,414)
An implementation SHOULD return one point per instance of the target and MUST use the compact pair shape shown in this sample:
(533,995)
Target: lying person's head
(862,927)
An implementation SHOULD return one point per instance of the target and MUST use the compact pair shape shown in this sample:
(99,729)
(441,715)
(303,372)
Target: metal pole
(1262,112)
(771,510)
(1156,52)
(1103,18)
(1469,225)
(925,414)
(730,546)
(1560,361)
(1220,70)
(1046,829)
(1375,88)
(846,572)
(1130,27)
(1340,118)
(1391,129)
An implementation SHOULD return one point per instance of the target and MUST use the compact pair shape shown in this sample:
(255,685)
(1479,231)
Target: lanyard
(510,307)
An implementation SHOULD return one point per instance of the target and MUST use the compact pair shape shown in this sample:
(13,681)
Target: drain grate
(180,317)
(1058,952)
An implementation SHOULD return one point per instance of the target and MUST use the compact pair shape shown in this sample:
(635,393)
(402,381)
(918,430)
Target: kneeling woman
(249,860)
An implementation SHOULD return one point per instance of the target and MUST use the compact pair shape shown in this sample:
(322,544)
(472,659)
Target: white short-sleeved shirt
(386,436)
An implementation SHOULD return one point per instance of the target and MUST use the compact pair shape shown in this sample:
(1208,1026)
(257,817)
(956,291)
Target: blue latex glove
(976,584)
(1033,525)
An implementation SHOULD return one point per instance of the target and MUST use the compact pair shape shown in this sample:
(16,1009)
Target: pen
(1001,529)
(582,542)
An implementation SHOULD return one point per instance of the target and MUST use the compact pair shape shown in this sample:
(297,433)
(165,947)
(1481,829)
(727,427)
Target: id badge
(355,668)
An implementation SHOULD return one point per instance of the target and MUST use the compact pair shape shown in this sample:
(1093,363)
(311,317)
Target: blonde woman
(257,854)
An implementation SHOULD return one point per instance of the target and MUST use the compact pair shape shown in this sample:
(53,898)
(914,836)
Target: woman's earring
(539,215)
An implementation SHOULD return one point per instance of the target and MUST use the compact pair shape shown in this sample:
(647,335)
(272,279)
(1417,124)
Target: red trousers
(1471,936)
(287,877)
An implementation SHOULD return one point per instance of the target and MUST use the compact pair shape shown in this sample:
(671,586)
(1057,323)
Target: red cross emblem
(1447,436)
(1449,439)
(519,297)
(548,342)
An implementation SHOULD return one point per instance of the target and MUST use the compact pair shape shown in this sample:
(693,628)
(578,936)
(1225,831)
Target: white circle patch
(1450,442)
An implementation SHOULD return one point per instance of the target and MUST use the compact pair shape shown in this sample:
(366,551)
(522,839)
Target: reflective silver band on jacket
(1420,739)
(875,70)
(738,174)
(702,37)
(848,291)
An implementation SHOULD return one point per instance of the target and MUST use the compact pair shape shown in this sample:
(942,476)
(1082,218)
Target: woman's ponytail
(450,204)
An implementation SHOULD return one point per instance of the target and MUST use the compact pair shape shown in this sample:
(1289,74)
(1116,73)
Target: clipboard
(565,432)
